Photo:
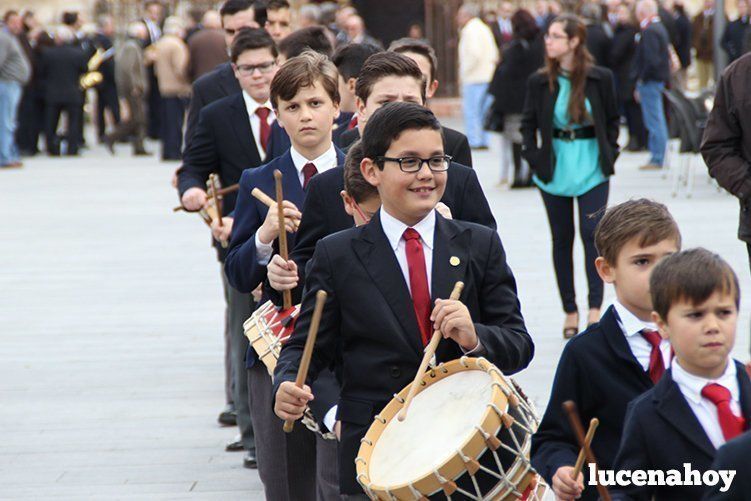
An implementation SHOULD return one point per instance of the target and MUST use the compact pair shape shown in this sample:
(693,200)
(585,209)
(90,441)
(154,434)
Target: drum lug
(493,442)
(449,487)
(471,465)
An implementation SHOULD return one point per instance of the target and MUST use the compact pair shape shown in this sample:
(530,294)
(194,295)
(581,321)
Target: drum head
(412,448)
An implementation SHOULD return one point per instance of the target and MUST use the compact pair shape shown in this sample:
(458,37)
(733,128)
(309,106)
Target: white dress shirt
(255,121)
(640,347)
(394,230)
(704,410)
(323,163)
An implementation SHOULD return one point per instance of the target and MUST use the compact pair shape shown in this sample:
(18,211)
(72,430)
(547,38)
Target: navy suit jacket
(598,371)
(734,455)
(369,328)
(218,83)
(279,142)
(662,433)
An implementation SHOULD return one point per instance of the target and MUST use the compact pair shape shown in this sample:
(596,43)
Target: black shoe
(141,153)
(234,446)
(228,416)
(109,143)
(249,460)
(482,147)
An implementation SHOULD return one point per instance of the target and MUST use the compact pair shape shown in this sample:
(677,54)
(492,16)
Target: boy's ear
(432,88)
(605,270)
(347,203)
(351,83)
(370,171)
(662,326)
(360,105)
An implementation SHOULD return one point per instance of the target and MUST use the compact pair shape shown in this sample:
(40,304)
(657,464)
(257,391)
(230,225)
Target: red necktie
(418,282)
(309,170)
(656,364)
(731,425)
(263,114)
(352,123)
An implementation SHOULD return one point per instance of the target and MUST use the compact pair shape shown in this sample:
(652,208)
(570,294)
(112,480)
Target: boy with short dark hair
(349,60)
(424,55)
(704,399)
(361,199)
(278,19)
(616,359)
(380,293)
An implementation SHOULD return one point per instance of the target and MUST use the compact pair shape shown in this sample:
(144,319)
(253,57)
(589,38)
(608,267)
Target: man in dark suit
(733,456)
(378,311)
(61,69)
(106,92)
(230,137)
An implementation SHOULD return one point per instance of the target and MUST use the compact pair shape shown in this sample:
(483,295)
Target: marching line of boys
(387,233)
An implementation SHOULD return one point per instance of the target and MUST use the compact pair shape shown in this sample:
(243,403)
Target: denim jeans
(475,103)
(10,96)
(653,111)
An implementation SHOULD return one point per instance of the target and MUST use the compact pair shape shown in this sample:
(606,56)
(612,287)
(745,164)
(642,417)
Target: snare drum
(467,435)
(267,329)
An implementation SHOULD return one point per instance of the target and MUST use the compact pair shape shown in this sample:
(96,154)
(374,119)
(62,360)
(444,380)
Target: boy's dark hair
(249,39)
(277,5)
(311,38)
(303,71)
(354,184)
(350,58)
(648,221)
(692,275)
(416,46)
(232,7)
(389,121)
(70,18)
(386,64)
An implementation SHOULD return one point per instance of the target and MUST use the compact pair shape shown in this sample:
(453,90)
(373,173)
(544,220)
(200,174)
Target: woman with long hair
(571,103)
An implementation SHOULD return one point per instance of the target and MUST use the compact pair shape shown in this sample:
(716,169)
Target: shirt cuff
(477,350)
(263,251)
(329,420)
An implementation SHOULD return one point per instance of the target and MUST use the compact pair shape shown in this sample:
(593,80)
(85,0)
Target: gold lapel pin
(454,261)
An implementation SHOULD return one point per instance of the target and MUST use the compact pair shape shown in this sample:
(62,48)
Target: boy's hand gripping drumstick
(573,416)
(429,352)
(267,201)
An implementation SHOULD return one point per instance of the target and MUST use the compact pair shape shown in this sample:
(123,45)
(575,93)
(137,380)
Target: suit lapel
(619,346)
(244,134)
(375,252)
(675,411)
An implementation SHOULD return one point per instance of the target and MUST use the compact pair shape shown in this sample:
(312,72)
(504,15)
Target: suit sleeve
(197,102)
(201,157)
(501,329)
(734,458)
(529,123)
(241,266)
(633,454)
(324,352)
(474,206)
(553,444)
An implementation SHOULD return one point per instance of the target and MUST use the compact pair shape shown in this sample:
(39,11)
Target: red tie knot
(411,234)
(716,393)
(263,113)
(652,337)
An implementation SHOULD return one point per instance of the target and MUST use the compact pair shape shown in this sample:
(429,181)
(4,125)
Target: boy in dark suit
(304,94)
(349,60)
(734,456)
(230,137)
(615,360)
(704,399)
(379,313)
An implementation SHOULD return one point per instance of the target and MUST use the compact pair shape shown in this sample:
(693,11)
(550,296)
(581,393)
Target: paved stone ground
(111,314)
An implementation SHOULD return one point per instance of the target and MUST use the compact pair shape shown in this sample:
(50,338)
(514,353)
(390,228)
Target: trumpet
(93,76)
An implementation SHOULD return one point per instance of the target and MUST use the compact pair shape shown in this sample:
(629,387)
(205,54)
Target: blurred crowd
(130,84)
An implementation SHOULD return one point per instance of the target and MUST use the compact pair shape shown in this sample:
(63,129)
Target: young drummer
(380,309)
(304,94)
(614,360)
(704,399)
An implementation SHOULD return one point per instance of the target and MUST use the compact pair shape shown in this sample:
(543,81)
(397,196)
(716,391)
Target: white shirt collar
(323,163)
(630,323)
(252,105)
(692,385)
(394,229)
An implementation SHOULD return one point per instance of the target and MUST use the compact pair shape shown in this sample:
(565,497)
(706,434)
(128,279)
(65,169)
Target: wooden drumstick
(302,372)
(287,295)
(217,199)
(267,201)
(593,424)
(569,408)
(221,193)
(429,352)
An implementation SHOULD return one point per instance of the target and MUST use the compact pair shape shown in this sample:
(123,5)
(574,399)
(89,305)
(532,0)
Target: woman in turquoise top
(572,105)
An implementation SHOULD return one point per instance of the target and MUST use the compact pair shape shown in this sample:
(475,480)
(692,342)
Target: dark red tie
(656,364)
(731,425)
(309,170)
(263,114)
(352,122)
(418,282)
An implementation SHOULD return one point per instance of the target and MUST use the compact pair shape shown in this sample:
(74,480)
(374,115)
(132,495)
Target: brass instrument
(93,76)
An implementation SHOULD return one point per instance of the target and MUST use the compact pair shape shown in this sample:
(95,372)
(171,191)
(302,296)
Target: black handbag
(493,120)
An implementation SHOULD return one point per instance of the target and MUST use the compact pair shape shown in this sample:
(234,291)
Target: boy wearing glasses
(387,284)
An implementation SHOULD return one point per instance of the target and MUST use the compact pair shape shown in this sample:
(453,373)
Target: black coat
(734,38)
(538,116)
(662,433)
(61,70)
(520,59)
(369,328)
(652,59)
(683,41)
(598,43)
(324,214)
(107,68)
(601,350)
(212,86)
(622,52)
(734,455)
(454,143)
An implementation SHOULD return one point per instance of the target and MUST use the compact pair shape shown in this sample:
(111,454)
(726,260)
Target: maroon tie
(418,282)
(656,364)
(309,170)
(731,425)
(263,114)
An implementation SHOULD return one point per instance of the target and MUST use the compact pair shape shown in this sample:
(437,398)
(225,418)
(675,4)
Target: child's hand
(282,274)
(269,230)
(565,487)
(291,401)
(452,318)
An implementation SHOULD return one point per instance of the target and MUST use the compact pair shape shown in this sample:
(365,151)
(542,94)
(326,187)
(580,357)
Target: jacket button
(395,372)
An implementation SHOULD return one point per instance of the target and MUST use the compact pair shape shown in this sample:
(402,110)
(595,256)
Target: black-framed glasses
(437,163)
(249,69)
